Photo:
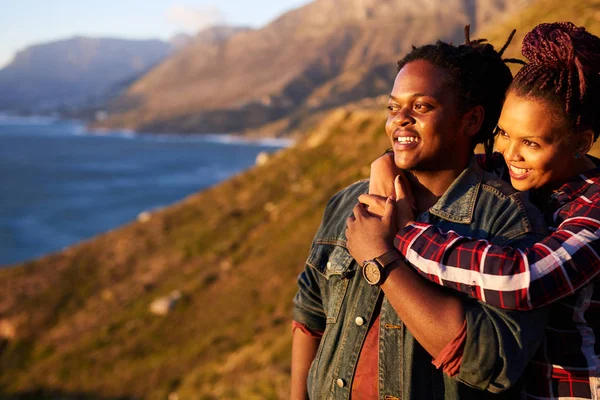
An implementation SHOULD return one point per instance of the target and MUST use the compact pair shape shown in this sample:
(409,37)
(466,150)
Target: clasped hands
(375,220)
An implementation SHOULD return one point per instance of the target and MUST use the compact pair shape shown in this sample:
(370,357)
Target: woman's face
(533,138)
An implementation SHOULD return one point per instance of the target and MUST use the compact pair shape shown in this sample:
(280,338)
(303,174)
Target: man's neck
(428,186)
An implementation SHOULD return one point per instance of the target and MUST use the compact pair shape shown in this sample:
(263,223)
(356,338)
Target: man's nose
(404,117)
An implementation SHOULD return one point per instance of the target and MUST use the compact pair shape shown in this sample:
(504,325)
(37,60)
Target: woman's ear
(473,120)
(584,141)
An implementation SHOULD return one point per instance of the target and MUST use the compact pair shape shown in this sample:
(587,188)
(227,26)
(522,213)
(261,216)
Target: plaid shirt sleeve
(505,277)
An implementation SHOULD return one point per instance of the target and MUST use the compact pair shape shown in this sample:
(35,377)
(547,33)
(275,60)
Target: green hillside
(77,324)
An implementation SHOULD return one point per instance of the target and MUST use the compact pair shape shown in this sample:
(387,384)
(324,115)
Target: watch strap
(388,257)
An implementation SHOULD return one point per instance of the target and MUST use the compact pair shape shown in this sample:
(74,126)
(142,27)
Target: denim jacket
(333,297)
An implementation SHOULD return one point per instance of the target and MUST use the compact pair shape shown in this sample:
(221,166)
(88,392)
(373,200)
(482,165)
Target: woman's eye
(529,143)
(501,132)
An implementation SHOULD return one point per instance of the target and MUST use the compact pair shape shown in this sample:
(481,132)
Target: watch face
(372,273)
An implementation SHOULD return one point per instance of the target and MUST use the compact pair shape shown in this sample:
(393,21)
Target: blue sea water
(60,184)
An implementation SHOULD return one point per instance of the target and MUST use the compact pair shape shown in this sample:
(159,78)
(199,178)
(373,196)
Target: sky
(27,22)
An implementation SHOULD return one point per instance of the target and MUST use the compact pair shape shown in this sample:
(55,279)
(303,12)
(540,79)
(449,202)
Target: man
(374,333)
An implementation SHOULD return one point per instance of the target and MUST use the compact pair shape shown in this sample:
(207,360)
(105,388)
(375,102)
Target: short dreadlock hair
(563,69)
(477,73)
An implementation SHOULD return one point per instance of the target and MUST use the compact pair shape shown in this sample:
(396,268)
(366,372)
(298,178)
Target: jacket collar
(457,204)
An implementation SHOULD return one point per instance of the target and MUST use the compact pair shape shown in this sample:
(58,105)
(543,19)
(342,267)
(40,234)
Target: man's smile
(404,139)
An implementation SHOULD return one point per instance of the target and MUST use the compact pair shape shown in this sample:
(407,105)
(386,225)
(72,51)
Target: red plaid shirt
(562,270)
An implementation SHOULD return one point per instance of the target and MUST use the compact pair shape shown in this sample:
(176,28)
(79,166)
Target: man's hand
(383,172)
(404,204)
(370,236)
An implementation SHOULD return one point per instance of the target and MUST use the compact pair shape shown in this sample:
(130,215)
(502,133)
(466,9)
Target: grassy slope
(582,13)
(80,318)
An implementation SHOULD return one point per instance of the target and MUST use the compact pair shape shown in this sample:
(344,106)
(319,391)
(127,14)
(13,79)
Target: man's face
(423,124)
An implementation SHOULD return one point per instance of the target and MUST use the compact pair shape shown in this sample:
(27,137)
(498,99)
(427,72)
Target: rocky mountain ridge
(80,72)
(327,53)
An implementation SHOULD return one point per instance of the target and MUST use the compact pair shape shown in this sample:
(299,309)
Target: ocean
(61,184)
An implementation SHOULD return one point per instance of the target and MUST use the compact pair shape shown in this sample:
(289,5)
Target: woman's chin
(521,185)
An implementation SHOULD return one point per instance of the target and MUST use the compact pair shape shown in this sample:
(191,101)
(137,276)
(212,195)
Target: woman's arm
(383,173)
(503,276)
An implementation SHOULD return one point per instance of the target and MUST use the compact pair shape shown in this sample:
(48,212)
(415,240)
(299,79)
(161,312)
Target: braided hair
(564,69)
(476,72)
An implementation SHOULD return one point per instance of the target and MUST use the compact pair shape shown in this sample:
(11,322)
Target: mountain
(74,71)
(77,324)
(327,53)
(219,33)
(82,71)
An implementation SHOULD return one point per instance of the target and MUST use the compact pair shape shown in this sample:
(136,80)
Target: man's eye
(393,108)
(421,106)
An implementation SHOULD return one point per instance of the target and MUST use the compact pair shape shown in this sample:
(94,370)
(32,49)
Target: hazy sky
(26,22)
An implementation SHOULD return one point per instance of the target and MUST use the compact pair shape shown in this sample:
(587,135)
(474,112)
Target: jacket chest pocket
(337,273)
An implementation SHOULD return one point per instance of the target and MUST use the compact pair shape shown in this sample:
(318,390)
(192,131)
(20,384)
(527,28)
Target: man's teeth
(519,171)
(408,139)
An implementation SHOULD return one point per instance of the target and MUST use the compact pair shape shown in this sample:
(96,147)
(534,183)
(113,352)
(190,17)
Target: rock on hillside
(324,54)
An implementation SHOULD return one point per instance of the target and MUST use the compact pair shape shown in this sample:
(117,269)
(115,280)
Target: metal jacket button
(340,383)
(359,321)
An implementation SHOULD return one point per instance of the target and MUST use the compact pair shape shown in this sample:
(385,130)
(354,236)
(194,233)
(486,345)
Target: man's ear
(584,141)
(473,119)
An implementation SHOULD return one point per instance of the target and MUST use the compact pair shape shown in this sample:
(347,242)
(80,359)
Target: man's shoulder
(337,211)
(511,212)
(497,186)
(348,196)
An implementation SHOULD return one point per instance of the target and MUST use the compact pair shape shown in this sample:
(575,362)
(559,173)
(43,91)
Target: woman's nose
(511,152)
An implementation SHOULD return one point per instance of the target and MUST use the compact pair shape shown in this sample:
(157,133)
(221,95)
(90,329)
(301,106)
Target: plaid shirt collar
(457,204)
(578,185)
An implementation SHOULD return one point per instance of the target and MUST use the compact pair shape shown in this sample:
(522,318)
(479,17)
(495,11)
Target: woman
(548,124)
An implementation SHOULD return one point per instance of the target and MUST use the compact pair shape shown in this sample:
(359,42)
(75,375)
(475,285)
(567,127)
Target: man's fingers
(359,210)
(375,204)
(371,200)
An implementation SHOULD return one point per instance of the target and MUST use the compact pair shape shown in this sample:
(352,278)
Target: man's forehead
(420,77)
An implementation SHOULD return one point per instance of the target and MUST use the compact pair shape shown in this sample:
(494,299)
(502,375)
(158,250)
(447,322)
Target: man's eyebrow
(412,96)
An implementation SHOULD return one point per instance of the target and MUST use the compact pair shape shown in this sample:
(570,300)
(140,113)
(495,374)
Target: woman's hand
(405,203)
(383,172)
(368,235)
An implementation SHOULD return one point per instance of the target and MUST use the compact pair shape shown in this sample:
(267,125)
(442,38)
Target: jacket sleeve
(500,343)
(308,305)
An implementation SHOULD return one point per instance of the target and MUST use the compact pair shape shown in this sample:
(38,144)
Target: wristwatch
(373,270)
